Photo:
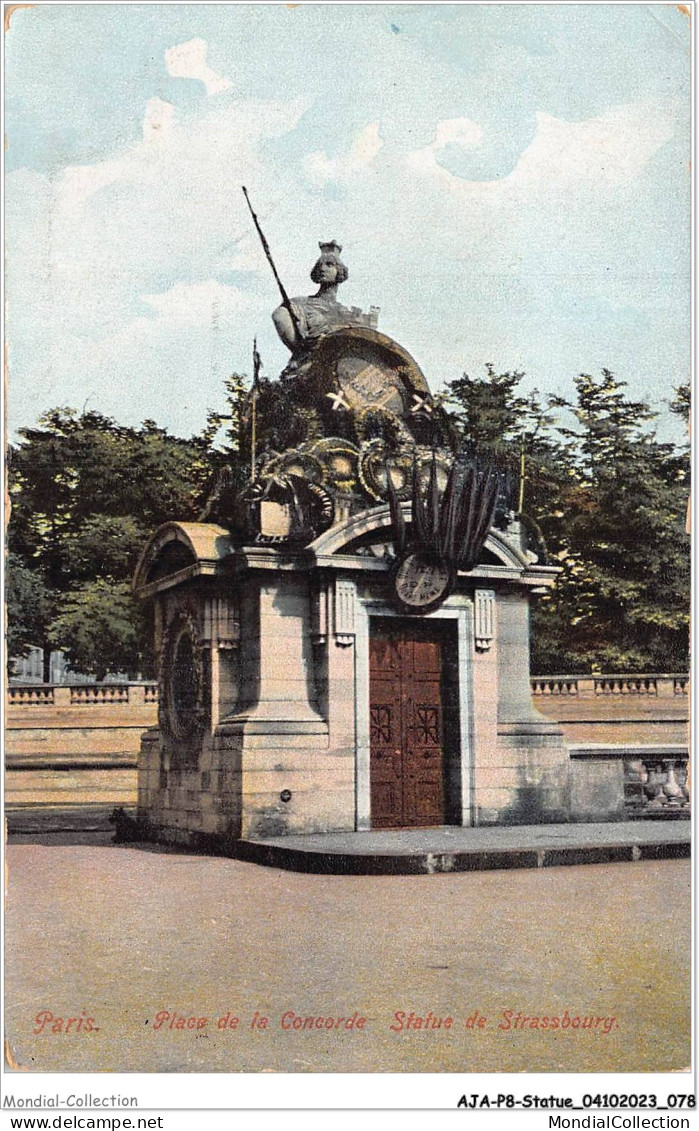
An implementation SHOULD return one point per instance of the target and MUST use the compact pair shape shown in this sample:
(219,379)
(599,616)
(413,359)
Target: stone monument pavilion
(344,645)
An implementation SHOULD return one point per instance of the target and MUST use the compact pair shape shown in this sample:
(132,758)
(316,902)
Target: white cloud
(120,287)
(158,119)
(170,204)
(543,217)
(79,182)
(92,246)
(199,304)
(365,147)
(188,61)
(610,149)
(564,156)
(452,131)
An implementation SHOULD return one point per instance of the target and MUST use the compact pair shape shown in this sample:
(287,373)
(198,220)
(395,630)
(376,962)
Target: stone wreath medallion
(181,712)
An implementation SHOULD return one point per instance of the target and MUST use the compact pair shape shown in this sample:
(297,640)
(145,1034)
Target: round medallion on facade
(376,463)
(305,465)
(339,461)
(182,680)
(421,581)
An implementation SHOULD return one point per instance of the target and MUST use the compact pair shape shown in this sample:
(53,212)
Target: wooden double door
(409,707)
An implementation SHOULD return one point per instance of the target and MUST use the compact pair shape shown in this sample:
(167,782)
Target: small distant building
(30,667)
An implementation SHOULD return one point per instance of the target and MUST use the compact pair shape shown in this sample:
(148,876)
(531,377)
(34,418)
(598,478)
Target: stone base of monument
(436,851)
(297,697)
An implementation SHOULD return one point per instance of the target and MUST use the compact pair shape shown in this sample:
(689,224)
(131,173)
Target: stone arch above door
(355,533)
(178,550)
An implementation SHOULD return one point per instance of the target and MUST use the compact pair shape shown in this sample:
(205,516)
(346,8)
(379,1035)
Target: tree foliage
(85,494)
(28,606)
(624,592)
(610,499)
(102,628)
(588,474)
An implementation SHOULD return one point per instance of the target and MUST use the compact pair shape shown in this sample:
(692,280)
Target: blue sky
(510,185)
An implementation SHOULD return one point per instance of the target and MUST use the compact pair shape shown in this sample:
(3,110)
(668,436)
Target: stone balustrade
(88,694)
(48,694)
(80,694)
(650,707)
(622,782)
(76,723)
(72,750)
(554,685)
(34,695)
(75,745)
(656,786)
(654,684)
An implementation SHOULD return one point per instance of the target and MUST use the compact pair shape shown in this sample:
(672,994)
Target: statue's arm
(286,329)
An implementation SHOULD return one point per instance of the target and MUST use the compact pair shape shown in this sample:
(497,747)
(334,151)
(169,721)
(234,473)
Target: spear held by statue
(286,301)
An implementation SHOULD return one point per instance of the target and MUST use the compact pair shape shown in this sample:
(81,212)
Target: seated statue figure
(321,313)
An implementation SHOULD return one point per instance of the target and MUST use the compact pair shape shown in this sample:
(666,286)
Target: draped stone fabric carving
(453,523)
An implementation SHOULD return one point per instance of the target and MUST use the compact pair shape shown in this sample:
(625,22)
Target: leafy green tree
(622,601)
(85,494)
(228,436)
(488,411)
(610,500)
(681,403)
(105,546)
(102,628)
(228,429)
(588,474)
(28,607)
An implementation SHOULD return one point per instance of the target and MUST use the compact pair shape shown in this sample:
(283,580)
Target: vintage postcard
(347,564)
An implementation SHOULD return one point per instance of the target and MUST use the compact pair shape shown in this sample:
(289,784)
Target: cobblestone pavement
(119,934)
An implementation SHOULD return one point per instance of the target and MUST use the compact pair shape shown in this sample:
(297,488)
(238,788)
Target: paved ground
(120,933)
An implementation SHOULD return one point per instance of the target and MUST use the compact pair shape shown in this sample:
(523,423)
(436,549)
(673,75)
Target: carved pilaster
(321,617)
(221,624)
(345,596)
(228,624)
(484,618)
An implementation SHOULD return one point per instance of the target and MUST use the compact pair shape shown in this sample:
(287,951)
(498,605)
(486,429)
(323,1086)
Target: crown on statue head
(331,248)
